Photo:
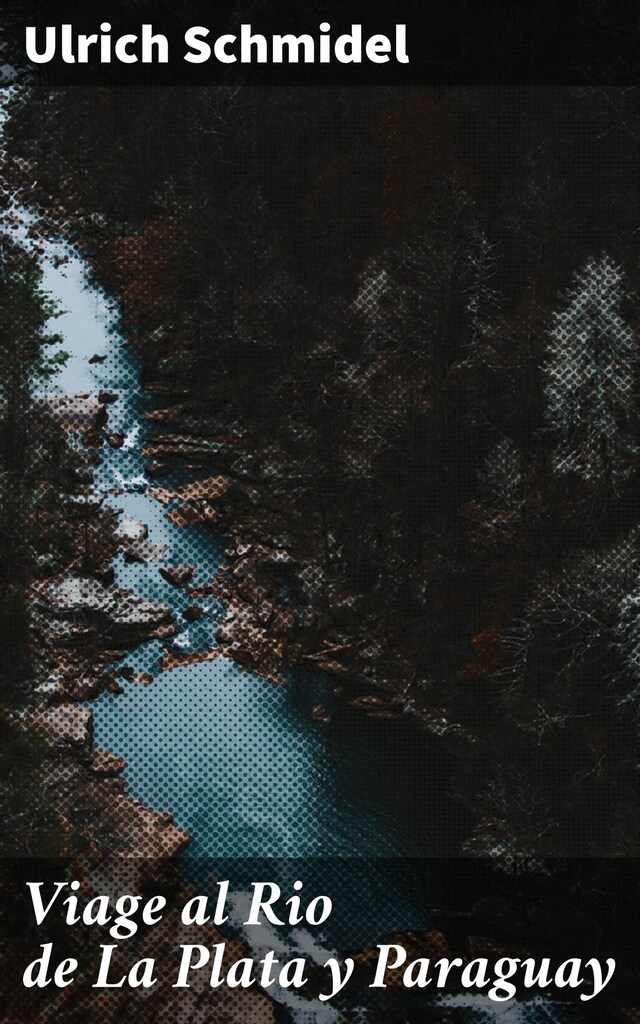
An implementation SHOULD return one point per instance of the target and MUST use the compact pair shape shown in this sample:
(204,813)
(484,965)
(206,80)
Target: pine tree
(591,379)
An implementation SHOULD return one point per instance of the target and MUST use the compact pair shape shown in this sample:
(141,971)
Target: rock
(264,611)
(178,575)
(173,659)
(163,495)
(145,678)
(253,494)
(84,475)
(624,1014)
(65,634)
(156,469)
(131,531)
(50,688)
(136,485)
(197,499)
(107,397)
(115,440)
(84,688)
(193,612)
(84,606)
(185,514)
(83,505)
(190,447)
(124,672)
(212,488)
(206,589)
(105,576)
(76,412)
(165,632)
(113,686)
(67,723)
(107,764)
(148,831)
(253,647)
(147,551)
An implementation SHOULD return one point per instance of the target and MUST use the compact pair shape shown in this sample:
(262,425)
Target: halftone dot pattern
(592,377)
(180,710)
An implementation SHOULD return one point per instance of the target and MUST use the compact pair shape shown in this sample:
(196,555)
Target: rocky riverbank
(360,327)
(282,608)
(280,611)
(81,626)
(354,334)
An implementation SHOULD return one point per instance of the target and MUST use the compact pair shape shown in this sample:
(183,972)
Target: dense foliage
(28,456)
(408,320)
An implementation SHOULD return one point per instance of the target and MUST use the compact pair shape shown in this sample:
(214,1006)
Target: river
(353,807)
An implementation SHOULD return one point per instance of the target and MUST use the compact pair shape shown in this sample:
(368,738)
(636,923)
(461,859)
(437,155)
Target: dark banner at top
(438,42)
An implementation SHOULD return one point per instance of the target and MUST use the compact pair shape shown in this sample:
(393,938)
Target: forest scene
(378,357)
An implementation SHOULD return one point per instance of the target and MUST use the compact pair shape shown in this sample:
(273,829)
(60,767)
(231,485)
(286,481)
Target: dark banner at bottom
(383,940)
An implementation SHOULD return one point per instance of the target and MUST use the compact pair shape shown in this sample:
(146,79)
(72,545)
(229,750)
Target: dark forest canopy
(415,313)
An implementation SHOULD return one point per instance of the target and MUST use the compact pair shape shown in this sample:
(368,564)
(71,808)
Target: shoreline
(75,729)
(85,783)
(114,842)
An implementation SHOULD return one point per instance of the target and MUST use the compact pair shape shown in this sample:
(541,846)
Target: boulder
(242,639)
(84,606)
(107,764)
(144,678)
(156,469)
(83,688)
(147,551)
(131,531)
(185,514)
(163,495)
(193,612)
(197,500)
(124,672)
(66,723)
(106,576)
(50,688)
(212,488)
(178,575)
(76,412)
(147,831)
